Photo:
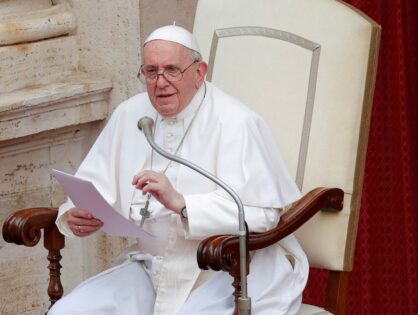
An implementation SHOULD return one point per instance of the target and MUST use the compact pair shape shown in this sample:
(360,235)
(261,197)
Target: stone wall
(64,66)
(158,13)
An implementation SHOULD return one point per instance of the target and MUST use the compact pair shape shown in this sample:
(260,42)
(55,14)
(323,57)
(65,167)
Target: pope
(197,121)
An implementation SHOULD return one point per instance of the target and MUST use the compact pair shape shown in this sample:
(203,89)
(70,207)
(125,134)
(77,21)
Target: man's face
(170,98)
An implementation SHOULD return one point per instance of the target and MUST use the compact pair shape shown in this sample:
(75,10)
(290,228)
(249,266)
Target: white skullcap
(174,33)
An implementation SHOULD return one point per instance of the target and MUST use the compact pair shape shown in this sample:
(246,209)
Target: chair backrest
(308,67)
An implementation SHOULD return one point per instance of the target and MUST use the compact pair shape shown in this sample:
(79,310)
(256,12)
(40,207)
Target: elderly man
(200,123)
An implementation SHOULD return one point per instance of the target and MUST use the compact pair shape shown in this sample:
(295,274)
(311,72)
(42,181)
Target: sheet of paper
(85,196)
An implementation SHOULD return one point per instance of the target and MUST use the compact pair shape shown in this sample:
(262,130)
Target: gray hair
(196,56)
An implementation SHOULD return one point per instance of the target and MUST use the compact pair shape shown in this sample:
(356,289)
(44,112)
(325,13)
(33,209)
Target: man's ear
(202,69)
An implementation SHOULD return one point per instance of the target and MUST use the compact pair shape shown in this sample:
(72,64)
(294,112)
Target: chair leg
(237,290)
(54,241)
(336,295)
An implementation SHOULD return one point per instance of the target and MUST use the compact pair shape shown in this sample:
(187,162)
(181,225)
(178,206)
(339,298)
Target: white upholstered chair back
(308,68)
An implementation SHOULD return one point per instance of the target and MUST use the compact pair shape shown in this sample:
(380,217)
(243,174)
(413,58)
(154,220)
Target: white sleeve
(211,214)
(61,222)
(96,167)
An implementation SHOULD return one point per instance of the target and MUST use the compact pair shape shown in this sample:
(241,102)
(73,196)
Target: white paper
(85,196)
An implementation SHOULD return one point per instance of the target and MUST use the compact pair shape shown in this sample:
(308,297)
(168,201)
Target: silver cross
(144,211)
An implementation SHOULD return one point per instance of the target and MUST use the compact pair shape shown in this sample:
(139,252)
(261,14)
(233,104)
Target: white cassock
(161,276)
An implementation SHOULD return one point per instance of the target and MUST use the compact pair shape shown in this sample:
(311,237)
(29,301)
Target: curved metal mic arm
(146,124)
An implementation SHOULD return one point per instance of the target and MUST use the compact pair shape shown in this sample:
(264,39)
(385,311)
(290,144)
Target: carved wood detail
(55,289)
(24,228)
(221,252)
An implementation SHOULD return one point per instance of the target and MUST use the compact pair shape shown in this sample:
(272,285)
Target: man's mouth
(164,95)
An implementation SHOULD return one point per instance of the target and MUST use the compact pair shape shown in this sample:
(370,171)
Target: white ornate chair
(309,68)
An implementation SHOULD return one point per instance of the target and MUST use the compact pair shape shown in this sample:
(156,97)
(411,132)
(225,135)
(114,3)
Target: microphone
(146,124)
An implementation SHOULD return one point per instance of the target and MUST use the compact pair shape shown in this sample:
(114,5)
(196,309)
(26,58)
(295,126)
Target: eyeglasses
(150,74)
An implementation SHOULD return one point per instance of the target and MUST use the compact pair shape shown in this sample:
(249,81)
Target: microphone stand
(145,124)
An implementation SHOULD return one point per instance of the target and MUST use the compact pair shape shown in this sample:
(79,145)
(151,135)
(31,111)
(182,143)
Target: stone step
(13,6)
(29,26)
(77,99)
(39,62)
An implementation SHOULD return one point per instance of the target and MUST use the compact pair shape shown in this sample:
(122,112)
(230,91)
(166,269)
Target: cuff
(61,221)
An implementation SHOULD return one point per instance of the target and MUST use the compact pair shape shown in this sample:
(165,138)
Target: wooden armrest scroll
(221,252)
(24,228)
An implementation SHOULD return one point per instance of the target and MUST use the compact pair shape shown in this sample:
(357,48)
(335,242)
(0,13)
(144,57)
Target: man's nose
(161,80)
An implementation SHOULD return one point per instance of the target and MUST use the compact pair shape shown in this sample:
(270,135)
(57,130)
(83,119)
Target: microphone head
(145,124)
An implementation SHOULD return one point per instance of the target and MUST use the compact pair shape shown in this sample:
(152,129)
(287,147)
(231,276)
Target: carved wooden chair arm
(221,252)
(24,228)
(325,199)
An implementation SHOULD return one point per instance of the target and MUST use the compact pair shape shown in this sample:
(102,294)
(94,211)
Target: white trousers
(117,292)
(128,290)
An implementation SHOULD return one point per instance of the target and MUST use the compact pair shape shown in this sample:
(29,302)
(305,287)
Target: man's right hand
(81,222)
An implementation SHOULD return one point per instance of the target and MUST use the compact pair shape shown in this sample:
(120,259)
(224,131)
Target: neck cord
(144,211)
(184,135)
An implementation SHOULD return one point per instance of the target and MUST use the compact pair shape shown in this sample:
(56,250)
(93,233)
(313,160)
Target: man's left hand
(160,187)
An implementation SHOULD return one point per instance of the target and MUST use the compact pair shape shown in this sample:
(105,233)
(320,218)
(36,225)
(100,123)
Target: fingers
(150,182)
(79,213)
(83,218)
(147,176)
(149,188)
(82,231)
(82,223)
(138,176)
(143,178)
(160,187)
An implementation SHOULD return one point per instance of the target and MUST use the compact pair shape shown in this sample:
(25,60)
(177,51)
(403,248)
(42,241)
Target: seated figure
(199,122)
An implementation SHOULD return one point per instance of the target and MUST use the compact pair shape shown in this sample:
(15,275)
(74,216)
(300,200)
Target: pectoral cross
(145,214)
